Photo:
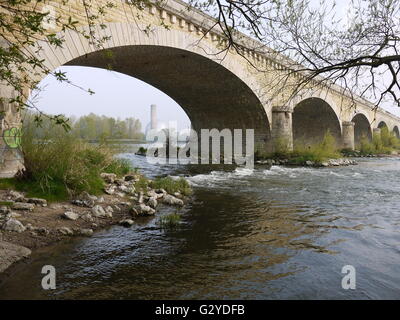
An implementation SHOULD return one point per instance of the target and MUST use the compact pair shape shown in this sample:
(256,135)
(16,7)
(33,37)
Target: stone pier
(348,135)
(281,129)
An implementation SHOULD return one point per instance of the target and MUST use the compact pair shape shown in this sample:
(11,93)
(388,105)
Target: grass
(170,220)
(172,185)
(59,166)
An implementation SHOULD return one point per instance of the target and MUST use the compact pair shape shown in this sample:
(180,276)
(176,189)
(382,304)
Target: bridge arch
(211,87)
(362,128)
(382,124)
(312,118)
(396,132)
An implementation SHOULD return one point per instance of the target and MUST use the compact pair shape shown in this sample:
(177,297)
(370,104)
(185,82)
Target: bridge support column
(281,131)
(348,135)
(11,159)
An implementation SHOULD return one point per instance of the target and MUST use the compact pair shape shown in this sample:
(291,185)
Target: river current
(278,233)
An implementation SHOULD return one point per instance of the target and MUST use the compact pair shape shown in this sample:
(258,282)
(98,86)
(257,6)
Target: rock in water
(86,232)
(126,222)
(168,199)
(14,225)
(70,215)
(144,210)
(152,202)
(10,253)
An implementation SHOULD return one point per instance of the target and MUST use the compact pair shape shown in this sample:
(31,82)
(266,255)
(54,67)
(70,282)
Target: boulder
(144,210)
(38,201)
(86,232)
(70,215)
(66,231)
(15,196)
(152,202)
(108,177)
(13,215)
(171,200)
(124,189)
(4,210)
(14,225)
(109,190)
(162,191)
(99,212)
(85,200)
(309,163)
(11,253)
(23,206)
(126,222)
(87,217)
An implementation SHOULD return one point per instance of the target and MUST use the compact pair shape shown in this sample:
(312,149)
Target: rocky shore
(29,223)
(308,163)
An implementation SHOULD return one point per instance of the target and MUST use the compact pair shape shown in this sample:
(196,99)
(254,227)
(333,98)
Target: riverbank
(31,223)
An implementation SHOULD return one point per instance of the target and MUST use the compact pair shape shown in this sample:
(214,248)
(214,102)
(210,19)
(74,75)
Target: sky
(116,95)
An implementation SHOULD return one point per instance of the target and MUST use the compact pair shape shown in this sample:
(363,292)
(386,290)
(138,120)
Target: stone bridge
(184,54)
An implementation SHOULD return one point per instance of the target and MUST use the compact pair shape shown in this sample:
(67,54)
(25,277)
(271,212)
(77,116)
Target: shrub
(171,185)
(170,220)
(317,153)
(60,165)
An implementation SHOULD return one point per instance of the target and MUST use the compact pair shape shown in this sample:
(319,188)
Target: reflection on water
(261,234)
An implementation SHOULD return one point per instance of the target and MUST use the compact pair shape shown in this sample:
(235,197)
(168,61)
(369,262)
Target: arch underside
(211,95)
(362,129)
(396,131)
(382,124)
(312,118)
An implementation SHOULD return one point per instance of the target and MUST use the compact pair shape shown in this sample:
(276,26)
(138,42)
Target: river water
(278,233)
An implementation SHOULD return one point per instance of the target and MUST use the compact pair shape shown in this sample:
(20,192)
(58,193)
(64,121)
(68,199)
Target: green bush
(171,185)
(366,147)
(170,220)
(60,165)
(317,153)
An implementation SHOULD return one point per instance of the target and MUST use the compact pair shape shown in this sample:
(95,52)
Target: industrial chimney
(153,117)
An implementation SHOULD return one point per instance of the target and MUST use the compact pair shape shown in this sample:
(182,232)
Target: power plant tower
(153,117)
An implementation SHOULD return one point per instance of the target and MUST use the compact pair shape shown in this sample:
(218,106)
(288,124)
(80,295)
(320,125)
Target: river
(279,233)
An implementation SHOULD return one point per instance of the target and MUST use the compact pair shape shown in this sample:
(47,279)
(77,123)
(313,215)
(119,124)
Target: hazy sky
(116,95)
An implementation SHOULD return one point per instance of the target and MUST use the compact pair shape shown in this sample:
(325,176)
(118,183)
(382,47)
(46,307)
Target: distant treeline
(90,127)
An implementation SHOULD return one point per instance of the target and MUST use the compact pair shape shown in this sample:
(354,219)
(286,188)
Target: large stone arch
(312,118)
(382,124)
(213,89)
(396,131)
(362,128)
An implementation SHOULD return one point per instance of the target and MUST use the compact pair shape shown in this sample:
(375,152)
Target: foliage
(382,143)
(172,185)
(317,153)
(59,165)
(142,184)
(90,127)
(170,220)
